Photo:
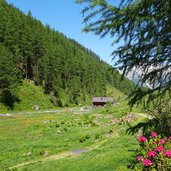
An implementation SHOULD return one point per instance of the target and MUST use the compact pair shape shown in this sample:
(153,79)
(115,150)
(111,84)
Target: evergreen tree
(144,25)
(69,72)
(8,77)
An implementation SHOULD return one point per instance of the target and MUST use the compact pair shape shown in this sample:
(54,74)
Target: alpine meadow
(63,108)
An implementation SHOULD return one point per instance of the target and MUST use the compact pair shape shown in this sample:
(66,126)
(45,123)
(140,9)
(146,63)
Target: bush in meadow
(154,153)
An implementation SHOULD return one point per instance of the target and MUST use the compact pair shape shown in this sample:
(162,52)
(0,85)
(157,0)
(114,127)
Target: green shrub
(84,138)
(98,136)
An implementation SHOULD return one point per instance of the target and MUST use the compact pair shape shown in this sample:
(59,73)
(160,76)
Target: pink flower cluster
(154,134)
(147,162)
(162,141)
(140,158)
(157,149)
(142,139)
(151,153)
(167,153)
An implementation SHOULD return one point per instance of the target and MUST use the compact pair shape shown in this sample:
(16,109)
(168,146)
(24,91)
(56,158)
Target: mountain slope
(67,71)
(29,96)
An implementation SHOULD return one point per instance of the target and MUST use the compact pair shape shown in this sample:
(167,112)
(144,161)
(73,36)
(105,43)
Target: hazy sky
(64,16)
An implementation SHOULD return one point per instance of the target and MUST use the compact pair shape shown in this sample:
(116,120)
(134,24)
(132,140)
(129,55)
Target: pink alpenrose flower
(162,141)
(154,134)
(140,158)
(170,138)
(142,139)
(159,149)
(151,153)
(167,153)
(147,162)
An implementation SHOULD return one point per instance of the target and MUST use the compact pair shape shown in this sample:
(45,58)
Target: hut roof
(103,99)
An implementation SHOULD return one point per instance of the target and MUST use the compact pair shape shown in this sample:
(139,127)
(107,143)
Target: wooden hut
(101,101)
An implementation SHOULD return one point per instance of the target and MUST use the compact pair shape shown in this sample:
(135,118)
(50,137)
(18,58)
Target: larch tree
(144,28)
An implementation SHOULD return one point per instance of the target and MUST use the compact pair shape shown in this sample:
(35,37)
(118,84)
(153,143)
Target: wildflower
(147,162)
(142,139)
(167,153)
(154,134)
(159,149)
(151,153)
(162,141)
(156,149)
(140,158)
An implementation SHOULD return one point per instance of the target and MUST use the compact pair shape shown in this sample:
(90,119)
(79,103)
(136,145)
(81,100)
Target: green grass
(115,154)
(3,108)
(118,110)
(113,92)
(29,95)
(26,138)
(121,108)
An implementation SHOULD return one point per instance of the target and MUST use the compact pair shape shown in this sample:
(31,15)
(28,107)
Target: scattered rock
(45,154)
(125,119)
(36,107)
(27,154)
(59,132)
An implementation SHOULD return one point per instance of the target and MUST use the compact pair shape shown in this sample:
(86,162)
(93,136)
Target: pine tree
(66,70)
(8,77)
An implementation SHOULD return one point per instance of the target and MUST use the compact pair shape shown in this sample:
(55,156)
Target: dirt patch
(54,157)
(125,119)
(79,151)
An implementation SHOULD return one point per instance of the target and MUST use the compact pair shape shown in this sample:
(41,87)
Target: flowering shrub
(142,139)
(154,153)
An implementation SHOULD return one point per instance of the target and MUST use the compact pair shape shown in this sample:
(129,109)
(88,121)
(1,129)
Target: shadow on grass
(8,99)
(160,125)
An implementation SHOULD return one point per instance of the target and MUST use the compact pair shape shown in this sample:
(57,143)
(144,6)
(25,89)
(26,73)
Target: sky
(65,16)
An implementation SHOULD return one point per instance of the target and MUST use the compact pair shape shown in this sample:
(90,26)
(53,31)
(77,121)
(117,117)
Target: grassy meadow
(66,141)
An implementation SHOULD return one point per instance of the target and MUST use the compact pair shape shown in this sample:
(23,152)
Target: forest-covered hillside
(67,71)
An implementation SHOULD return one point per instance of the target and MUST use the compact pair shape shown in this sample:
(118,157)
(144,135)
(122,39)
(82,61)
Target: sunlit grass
(26,138)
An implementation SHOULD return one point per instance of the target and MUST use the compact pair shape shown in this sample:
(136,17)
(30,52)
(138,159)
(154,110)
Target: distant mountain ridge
(135,75)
